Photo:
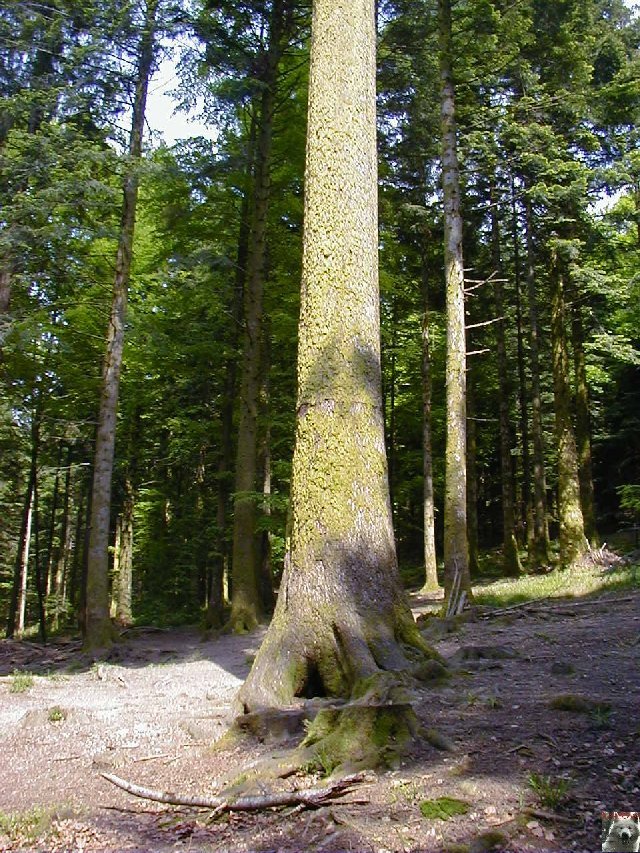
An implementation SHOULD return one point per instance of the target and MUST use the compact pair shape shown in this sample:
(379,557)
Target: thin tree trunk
(246,608)
(526,513)
(539,554)
(51,550)
(17,605)
(456,549)
(40,591)
(583,427)
(97,628)
(428,511)
(573,542)
(220,562)
(511,563)
(5,293)
(124,575)
(60,581)
(472,476)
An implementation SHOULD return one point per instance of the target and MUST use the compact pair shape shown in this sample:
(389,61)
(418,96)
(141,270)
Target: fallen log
(561,605)
(307,798)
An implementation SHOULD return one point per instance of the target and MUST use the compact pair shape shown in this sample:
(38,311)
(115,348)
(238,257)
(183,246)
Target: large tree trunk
(428,513)
(573,542)
(539,541)
(456,550)
(246,603)
(472,476)
(583,427)
(511,564)
(97,626)
(341,614)
(59,589)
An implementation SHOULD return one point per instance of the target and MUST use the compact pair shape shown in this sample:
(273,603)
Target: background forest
(203,240)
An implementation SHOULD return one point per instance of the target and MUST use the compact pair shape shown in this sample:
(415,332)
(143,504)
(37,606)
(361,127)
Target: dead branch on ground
(307,798)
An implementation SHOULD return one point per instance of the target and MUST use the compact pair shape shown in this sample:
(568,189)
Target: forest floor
(536,776)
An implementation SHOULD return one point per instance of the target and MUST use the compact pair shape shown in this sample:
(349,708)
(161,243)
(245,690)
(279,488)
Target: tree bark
(246,605)
(60,580)
(97,631)
(220,562)
(341,614)
(583,427)
(472,476)
(123,558)
(456,549)
(573,542)
(526,512)
(511,564)
(539,554)
(428,514)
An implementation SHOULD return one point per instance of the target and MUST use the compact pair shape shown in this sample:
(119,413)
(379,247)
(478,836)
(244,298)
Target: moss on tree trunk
(573,542)
(341,615)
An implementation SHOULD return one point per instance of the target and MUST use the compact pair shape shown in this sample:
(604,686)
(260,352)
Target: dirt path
(151,713)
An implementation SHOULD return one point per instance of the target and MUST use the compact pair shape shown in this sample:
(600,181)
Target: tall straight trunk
(391,430)
(219,563)
(52,551)
(428,511)
(40,588)
(573,542)
(75,575)
(583,427)
(456,549)
(539,554)
(341,614)
(5,293)
(511,564)
(472,477)
(246,605)
(62,565)
(526,512)
(97,628)
(123,558)
(18,601)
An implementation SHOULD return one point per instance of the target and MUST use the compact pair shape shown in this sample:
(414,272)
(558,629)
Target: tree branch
(309,797)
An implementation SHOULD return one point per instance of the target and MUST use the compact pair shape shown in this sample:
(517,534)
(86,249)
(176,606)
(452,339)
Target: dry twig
(308,798)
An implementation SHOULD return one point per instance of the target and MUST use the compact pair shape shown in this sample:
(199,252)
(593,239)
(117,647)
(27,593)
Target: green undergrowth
(571,583)
(444,808)
(26,827)
(21,681)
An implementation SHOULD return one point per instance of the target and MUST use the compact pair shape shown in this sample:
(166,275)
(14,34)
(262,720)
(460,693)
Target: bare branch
(309,797)
(485,323)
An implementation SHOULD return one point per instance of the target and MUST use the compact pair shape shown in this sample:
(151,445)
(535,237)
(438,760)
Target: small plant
(471,699)
(57,714)
(550,792)
(444,808)
(20,681)
(601,716)
(25,828)
(494,702)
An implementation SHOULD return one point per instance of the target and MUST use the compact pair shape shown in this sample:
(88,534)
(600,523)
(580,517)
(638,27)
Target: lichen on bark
(341,616)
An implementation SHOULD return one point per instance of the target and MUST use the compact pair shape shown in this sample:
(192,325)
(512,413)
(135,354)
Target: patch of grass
(25,827)
(549,792)
(56,714)
(601,716)
(575,582)
(577,704)
(444,808)
(494,702)
(21,681)
(322,762)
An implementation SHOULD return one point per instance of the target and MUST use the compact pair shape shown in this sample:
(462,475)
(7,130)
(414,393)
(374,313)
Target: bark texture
(510,559)
(341,614)
(539,541)
(573,542)
(97,624)
(246,601)
(429,537)
(583,428)
(456,550)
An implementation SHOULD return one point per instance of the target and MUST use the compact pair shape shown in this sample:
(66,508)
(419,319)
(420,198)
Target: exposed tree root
(307,798)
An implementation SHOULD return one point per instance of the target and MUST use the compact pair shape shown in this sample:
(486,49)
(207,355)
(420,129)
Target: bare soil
(153,710)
